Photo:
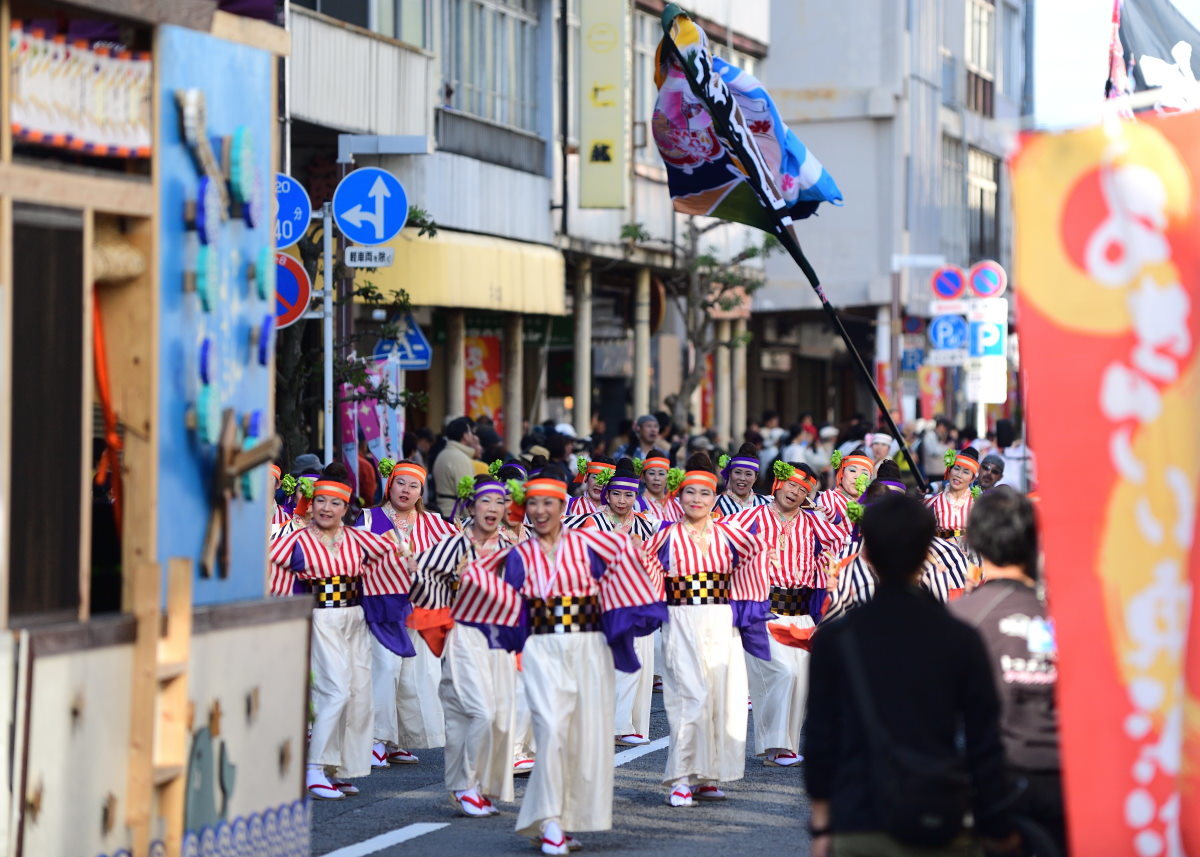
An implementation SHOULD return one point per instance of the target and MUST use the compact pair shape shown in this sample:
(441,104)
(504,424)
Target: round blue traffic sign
(370,206)
(293,290)
(949,332)
(948,283)
(988,279)
(293,211)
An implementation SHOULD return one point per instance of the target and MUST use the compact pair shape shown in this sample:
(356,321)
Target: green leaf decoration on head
(949,458)
(604,477)
(581,464)
(494,467)
(835,460)
(722,462)
(976,491)
(386,466)
(307,486)
(861,482)
(674,478)
(516,490)
(466,487)
(638,464)
(783,471)
(288,484)
(854,511)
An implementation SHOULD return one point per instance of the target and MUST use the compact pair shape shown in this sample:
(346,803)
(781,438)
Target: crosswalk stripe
(637,752)
(386,840)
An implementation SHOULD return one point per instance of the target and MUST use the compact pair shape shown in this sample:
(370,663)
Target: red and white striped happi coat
(731,550)
(427,528)
(833,503)
(792,558)
(669,510)
(581,505)
(950,517)
(485,596)
(376,560)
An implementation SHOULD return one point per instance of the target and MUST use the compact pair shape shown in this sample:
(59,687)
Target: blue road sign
(948,283)
(370,206)
(293,290)
(987,339)
(911,359)
(412,349)
(294,211)
(948,332)
(988,279)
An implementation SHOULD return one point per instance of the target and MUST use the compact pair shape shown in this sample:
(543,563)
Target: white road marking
(637,752)
(386,840)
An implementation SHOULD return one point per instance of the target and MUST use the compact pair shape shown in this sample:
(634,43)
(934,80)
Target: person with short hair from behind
(901,694)
(1012,619)
(453,463)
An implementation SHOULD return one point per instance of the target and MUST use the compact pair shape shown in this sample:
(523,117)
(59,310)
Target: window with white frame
(489,55)
(405,20)
(983,219)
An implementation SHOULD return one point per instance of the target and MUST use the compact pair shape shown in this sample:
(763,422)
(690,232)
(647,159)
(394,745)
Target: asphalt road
(405,810)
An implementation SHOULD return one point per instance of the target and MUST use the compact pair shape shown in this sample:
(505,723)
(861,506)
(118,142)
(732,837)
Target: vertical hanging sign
(603,103)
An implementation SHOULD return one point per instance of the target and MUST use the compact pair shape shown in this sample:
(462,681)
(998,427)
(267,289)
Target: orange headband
(860,460)
(545,488)
(656,462)
(966,462)
(800,478)
(275,471)
(702,478)
(593,468)
(416,471)
(329,488)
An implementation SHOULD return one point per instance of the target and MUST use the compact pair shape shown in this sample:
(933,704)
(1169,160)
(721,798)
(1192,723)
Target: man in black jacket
(931,684)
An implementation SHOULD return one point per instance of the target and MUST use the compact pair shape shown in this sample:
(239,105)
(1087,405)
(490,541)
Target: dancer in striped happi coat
(740,473)
(572,601)
(716,598)
(634,691)
(279,514)
(347,571)
(478,682)
(952,505)
(407,711)
(851,474)
(657,502)
(589,475)
(797,538)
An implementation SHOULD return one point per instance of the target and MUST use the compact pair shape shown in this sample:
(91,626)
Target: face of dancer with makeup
(697,502)
(655,479)
(404,493)
(960,478)
(488,511)
(621,502)
(850,474)
(545,513)
(328,512)
(741,481)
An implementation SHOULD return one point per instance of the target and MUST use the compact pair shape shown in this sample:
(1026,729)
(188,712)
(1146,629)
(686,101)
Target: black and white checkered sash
(566,614)
(791,602)
(336,591)
(702,587)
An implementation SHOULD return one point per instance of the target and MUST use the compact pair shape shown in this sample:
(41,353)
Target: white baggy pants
(635,690)
(341,691)
(569,684)
(477,696)
(704,693)
(408,712)
(779,689)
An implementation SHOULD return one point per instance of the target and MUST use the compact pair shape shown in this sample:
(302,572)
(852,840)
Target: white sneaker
(319,786)
(633,739)
(680,795)
(471,804)
(379,756)
(554,841)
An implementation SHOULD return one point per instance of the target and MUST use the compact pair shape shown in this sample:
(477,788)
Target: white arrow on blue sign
(410,351)
(370,206)
(293,211)
(948,331)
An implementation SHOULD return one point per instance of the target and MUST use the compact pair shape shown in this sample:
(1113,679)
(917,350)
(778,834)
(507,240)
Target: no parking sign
(293,290)
(987,279)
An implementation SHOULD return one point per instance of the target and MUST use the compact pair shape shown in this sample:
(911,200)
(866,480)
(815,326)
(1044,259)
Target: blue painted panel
(236,83)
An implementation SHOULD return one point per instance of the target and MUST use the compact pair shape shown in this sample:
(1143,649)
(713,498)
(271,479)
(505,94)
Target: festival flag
(706,170)
(1108,275)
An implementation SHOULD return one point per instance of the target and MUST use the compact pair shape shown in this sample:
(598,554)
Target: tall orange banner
(1107,276)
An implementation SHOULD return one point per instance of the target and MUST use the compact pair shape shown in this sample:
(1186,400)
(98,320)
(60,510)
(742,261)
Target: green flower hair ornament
(516,490)
(638,464)
(722,462)
(386,466)
(861,482)
(976,491)
(835,460)
(288,484)
(307,486)
(465,488)
(949,458)
(783,471)
(604,477)
(674,478)
(494,467)
(854,511)
(581,464)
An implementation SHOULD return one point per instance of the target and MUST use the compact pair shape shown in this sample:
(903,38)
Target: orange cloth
(432,625)
(790,635)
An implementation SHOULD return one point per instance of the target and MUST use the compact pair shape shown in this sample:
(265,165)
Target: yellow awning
(461,270)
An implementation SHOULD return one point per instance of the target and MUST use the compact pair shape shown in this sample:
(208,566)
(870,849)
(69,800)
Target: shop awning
(462,270)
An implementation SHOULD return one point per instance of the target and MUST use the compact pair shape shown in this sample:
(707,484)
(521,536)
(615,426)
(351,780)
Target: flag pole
(790,243)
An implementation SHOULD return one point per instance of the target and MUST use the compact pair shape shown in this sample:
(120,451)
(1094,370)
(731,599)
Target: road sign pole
(327,324)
